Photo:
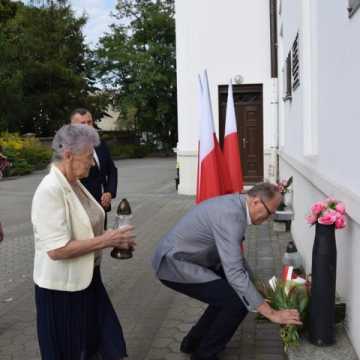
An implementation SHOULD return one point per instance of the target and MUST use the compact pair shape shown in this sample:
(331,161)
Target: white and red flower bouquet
(289,292)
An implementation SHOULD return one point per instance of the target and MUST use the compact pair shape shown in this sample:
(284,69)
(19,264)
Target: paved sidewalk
(154,318)
(254,340)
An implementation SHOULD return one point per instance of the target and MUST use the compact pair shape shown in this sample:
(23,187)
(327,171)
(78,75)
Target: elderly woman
(75,318)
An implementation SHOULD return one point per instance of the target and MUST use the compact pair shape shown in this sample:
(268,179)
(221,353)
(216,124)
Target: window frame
(353,7)
(288,78)
(295,64)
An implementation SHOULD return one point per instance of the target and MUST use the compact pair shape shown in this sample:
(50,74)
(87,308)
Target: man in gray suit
(201,257)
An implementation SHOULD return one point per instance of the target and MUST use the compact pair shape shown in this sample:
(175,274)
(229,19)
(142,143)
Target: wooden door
(249,118)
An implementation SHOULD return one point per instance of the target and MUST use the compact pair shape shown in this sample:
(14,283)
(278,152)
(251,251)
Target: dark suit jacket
(103,179)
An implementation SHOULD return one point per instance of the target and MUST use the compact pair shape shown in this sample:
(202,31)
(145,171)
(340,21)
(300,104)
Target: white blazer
(58,216)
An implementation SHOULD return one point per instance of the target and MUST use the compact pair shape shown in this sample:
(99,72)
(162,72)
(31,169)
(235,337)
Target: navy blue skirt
(78,325)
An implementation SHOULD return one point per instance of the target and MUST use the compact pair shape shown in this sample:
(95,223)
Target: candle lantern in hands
(123,218)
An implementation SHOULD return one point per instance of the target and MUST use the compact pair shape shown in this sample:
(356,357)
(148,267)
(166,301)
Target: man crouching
(202,257)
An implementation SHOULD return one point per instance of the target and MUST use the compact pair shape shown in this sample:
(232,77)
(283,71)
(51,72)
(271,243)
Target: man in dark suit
(201,257)
(102,179)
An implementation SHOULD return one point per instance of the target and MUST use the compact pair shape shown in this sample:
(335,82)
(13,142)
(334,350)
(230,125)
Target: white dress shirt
(249,222)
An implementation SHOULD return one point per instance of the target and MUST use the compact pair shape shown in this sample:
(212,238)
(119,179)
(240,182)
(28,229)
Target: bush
(36,154)
(128,151)
(25,155)
(18,167)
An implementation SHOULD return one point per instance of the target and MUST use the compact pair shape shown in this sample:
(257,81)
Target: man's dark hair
(265,191)
(81,111)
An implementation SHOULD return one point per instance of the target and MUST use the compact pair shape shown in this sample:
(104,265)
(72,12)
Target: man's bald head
(81,116)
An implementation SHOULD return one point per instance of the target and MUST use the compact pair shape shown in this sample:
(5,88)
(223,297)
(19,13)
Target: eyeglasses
(266,207)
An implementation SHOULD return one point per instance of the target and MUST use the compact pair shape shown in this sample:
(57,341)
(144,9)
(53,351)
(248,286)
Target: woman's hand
(123,238)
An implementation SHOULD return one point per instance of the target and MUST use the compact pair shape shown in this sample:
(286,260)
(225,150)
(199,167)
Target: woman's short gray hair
(74,138)
(265,191)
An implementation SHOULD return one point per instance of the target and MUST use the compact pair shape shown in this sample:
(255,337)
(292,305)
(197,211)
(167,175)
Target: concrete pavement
(154,318)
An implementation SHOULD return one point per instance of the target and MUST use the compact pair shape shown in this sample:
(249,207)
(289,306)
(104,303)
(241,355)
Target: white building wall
(226,37)
(109,123)
(320,129)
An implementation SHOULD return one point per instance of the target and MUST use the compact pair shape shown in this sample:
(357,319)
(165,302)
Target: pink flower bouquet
(328,212)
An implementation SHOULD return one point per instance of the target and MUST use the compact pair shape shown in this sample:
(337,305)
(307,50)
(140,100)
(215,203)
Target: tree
(46,69)
(7,10)
(137,58)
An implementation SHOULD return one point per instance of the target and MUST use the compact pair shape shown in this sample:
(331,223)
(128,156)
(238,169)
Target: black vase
(323,286)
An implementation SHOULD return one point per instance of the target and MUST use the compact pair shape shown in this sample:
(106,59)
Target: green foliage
(19,166)
(288,295)
(129,151)
(289,182)
(46,70)
(7,10)
(25,155)
(137,58)
(36,154)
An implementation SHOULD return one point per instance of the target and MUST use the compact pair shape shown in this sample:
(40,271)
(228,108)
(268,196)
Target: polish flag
(231,145)
(288,273)
(213,177)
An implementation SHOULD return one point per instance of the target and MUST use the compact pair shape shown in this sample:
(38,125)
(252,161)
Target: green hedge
(24,154)
(28,154)
(129,151)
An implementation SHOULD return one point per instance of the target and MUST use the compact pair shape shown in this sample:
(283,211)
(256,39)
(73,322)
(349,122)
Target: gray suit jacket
(209,235)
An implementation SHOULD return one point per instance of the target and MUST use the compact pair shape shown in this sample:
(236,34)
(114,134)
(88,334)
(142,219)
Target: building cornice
(326,186)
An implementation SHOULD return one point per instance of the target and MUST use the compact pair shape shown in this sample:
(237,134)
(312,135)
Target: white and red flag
(231,145)
(213,176)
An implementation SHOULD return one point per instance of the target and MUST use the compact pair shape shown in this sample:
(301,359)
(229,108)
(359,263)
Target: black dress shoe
(196,357)
(189,344)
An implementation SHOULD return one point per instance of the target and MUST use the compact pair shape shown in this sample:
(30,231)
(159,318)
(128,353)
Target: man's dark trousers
(220,320)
